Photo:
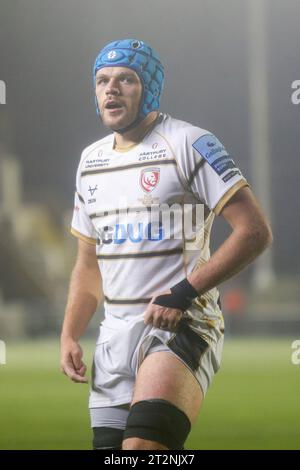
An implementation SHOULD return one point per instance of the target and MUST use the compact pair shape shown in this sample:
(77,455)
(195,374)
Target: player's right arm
(85,293)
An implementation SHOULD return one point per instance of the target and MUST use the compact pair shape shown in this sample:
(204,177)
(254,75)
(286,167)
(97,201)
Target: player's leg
(166,402)
(108,426)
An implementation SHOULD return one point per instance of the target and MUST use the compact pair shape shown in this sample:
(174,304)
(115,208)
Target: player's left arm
(251,235)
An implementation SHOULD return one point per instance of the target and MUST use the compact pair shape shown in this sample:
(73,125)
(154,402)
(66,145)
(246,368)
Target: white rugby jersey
(176,163)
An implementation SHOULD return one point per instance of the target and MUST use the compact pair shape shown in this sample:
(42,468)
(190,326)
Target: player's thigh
(162,375)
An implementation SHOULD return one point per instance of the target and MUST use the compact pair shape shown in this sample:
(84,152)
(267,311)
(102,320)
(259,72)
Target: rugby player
(161,339)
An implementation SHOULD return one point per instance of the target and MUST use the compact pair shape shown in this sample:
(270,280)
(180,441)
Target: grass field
(254,402)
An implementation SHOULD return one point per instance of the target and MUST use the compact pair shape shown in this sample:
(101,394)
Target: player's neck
(136,135)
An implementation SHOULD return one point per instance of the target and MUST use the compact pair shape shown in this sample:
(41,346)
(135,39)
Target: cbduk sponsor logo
(134,233)
(163,222)
(2,92)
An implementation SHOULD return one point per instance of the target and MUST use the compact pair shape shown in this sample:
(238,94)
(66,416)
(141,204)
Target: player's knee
(107,438)
(157,422)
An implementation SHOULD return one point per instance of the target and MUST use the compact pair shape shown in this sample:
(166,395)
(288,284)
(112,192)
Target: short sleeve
(81,226)
(209,171)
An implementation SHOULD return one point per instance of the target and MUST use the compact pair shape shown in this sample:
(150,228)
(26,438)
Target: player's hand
(71,363)
(164,318)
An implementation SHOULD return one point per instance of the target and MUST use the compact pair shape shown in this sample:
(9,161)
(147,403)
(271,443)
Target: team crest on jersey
(149,179)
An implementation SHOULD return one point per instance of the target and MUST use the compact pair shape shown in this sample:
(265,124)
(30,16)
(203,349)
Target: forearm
(238,250)
(85,294)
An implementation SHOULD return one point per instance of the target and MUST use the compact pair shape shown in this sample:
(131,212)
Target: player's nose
(112,87)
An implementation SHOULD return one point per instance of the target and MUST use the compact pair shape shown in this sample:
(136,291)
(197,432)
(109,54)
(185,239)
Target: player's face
(118,92)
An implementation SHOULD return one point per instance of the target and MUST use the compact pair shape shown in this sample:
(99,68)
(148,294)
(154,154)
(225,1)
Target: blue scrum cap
(140,57)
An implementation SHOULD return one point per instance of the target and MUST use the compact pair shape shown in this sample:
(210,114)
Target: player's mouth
(113,106)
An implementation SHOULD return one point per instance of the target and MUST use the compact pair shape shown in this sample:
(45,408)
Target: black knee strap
(160,421)
(107,438)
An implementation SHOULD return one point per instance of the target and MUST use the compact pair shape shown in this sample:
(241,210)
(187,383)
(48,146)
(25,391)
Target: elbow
(262,237)
(267,235)
(257,237)
(269,238)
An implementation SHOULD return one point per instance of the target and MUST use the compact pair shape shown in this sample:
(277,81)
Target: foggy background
(213,69)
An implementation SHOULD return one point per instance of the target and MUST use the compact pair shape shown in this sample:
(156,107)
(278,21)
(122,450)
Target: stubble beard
(124,121)
(115,124)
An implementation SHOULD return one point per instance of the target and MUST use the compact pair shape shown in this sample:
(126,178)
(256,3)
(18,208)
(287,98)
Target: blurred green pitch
(252,404)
